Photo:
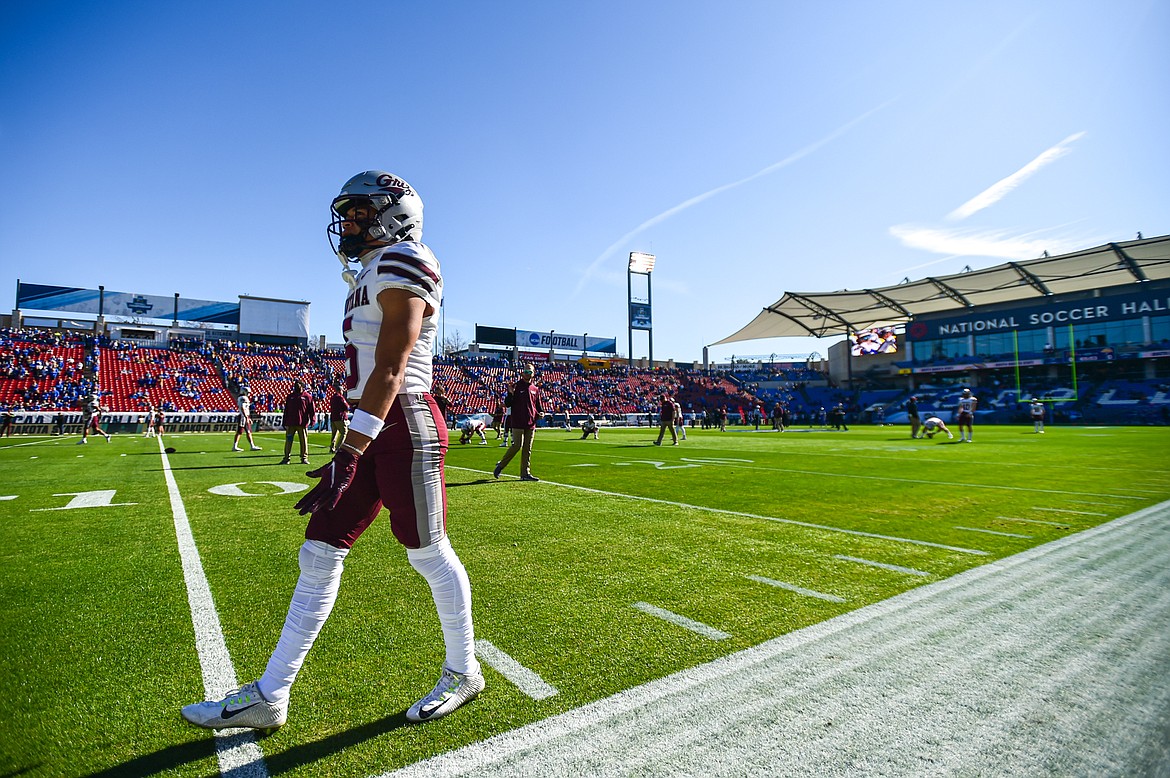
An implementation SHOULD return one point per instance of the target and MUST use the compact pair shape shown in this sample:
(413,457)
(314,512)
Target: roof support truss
(949,292)
(1128,262)
(816,307)
(886,301)
(1032,280)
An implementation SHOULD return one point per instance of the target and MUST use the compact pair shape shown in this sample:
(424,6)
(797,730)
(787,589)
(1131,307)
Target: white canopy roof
(823,314)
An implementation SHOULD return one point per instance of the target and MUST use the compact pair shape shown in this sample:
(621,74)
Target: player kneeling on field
(589,427)
(471,427)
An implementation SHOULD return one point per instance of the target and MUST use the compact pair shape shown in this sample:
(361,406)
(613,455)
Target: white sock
(451,589)
(312,601)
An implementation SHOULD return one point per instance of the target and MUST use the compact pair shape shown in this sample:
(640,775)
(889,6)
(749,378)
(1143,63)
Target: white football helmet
(397,208)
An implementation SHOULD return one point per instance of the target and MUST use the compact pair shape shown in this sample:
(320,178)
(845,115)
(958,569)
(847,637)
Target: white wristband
(366,423)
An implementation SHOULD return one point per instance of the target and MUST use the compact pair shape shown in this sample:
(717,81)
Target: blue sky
(754,147)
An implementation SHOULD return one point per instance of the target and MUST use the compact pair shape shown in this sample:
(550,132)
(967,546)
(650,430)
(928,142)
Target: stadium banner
(1109,306)
(555,340)
(127,304)
(640,316)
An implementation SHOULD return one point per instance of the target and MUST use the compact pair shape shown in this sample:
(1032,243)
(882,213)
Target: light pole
(640,264)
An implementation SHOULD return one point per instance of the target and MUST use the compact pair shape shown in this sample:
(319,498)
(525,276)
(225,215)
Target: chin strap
(347,275)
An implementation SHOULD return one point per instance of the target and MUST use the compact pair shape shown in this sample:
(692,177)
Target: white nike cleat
(452,690)
(245,707)
(257,448)
(236,448)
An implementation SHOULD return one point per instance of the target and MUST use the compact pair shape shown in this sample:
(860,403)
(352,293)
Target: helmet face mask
(394,213)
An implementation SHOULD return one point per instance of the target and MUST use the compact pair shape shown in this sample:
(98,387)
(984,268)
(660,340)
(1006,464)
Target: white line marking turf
(796,589)
(882,565)
(745,515)
(239,753)
(995,671)
(521,677)
(993,532)
(1066,510)
(1032,521)
(698,627)
(882,478)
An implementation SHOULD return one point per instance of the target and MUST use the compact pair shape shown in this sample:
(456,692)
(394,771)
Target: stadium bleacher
(47,370)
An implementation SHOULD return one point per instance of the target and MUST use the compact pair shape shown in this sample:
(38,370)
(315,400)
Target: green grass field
(99,649)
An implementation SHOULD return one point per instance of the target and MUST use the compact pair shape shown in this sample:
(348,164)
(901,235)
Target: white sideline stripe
(882,565)
(1061,492)
(1032,521)
(568,739)
(521,677)
(9,497)
(796,589)
(993,532)
(1066,510)
(238,752)
(1092,502)
(697,627)
(30,443)
(824,527)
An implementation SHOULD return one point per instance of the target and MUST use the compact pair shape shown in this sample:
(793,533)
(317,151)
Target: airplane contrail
(802,153)
(1000,189)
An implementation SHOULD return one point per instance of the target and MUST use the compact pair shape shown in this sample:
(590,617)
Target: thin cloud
(801,154)
(981,243)
(1000,189)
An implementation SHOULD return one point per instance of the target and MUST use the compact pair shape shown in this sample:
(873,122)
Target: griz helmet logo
(394,186)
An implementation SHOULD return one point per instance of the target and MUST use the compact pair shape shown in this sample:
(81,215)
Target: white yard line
(993,532)
(698,627)
(1032,521)
(1066,510)
(521,677)
(796,589)
(882,565)
(238,752)
(794,522)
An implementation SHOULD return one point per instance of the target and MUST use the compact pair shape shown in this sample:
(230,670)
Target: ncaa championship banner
(555,340)
(126,304)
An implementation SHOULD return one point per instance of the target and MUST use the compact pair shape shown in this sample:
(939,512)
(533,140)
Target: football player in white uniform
(1037,411)
(244,421)
(392,455)
(470,427)
(934,424)
(966,416)
(91,417)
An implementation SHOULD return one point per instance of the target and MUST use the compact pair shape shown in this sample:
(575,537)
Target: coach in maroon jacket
(298,414)
(666,412)
(524,400)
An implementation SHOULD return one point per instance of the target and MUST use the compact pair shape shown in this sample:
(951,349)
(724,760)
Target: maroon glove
(335,479)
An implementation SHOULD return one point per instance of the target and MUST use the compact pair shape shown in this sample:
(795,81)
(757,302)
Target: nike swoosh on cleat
(227,714)
(426,713)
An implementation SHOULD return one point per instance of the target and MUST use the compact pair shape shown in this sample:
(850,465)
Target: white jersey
(408,265)
(1037,410)
(933,423)
(245,407)
(967,404)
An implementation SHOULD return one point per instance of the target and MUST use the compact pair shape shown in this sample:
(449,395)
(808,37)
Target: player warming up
(392,455)
(966,416)
(244,421)
(932,425)
(1037,412)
